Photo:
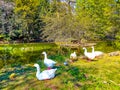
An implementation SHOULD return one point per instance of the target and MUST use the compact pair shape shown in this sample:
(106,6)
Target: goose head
(92,47)
(36,65)
(84,48)
(44,52)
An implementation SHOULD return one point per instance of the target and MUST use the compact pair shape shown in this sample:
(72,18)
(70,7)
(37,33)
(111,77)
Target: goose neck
(93,50)
(85,50)
(38,71)
(45,56)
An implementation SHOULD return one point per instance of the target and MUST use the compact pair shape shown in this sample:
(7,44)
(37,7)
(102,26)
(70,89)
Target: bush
(116,44)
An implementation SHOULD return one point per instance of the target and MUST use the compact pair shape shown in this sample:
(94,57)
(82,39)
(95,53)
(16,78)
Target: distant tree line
(54,20)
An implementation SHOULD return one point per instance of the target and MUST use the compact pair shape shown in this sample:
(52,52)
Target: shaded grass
(101,74)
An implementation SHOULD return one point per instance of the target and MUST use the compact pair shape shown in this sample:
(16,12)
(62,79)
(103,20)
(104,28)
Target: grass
(101,74)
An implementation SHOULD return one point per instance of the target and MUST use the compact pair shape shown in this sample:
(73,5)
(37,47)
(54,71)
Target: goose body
(97,53)
(89,55)
(48,62)
(73,55)
(46,74)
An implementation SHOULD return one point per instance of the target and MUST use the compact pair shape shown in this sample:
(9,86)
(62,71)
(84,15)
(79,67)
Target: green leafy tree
(58,22)
(28,17)
(6,21)
(100,17)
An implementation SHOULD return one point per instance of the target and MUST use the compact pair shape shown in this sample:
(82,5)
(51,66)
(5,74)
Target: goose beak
(34,65)
(29,65)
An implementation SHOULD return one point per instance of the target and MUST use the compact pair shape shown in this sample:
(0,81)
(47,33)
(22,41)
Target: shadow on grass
(75,73)
(18,70)
(29,80)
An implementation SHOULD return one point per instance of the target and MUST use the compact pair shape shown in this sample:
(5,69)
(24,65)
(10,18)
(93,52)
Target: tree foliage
(54,20)
(6,20)
(100,15)
(28,17)
(90,17)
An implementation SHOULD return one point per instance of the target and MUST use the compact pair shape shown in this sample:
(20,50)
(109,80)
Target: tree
(100,16)
(58,22)
(28,17)
(6,16)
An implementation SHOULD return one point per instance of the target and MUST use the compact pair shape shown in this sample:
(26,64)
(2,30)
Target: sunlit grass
(105,70)
(103,73)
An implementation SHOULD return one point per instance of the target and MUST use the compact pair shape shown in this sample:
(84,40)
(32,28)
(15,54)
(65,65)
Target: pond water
(23,53)
(12,54)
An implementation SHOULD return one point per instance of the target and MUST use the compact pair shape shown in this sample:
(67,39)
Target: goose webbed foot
(48,68)
(88,60)
(46,79)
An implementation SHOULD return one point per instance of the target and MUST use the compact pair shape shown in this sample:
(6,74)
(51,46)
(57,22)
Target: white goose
(48,62)
(97,53)
(73,56)
(46,74)
(90,56)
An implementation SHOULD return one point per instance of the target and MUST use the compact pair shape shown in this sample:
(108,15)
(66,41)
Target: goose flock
(89,55)
(93,54)
(49,63)
(46,74)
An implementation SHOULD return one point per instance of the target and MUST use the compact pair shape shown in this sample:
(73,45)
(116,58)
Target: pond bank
(31,52)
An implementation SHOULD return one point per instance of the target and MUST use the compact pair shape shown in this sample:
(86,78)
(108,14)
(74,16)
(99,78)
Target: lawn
(101,74)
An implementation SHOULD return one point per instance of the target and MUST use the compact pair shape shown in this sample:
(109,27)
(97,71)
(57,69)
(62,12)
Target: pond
(22,53)
(13,54)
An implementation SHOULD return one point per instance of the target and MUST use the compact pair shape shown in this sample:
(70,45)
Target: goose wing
(98,53)
(43,75)
(90,55)
(49,73)
(51,61)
